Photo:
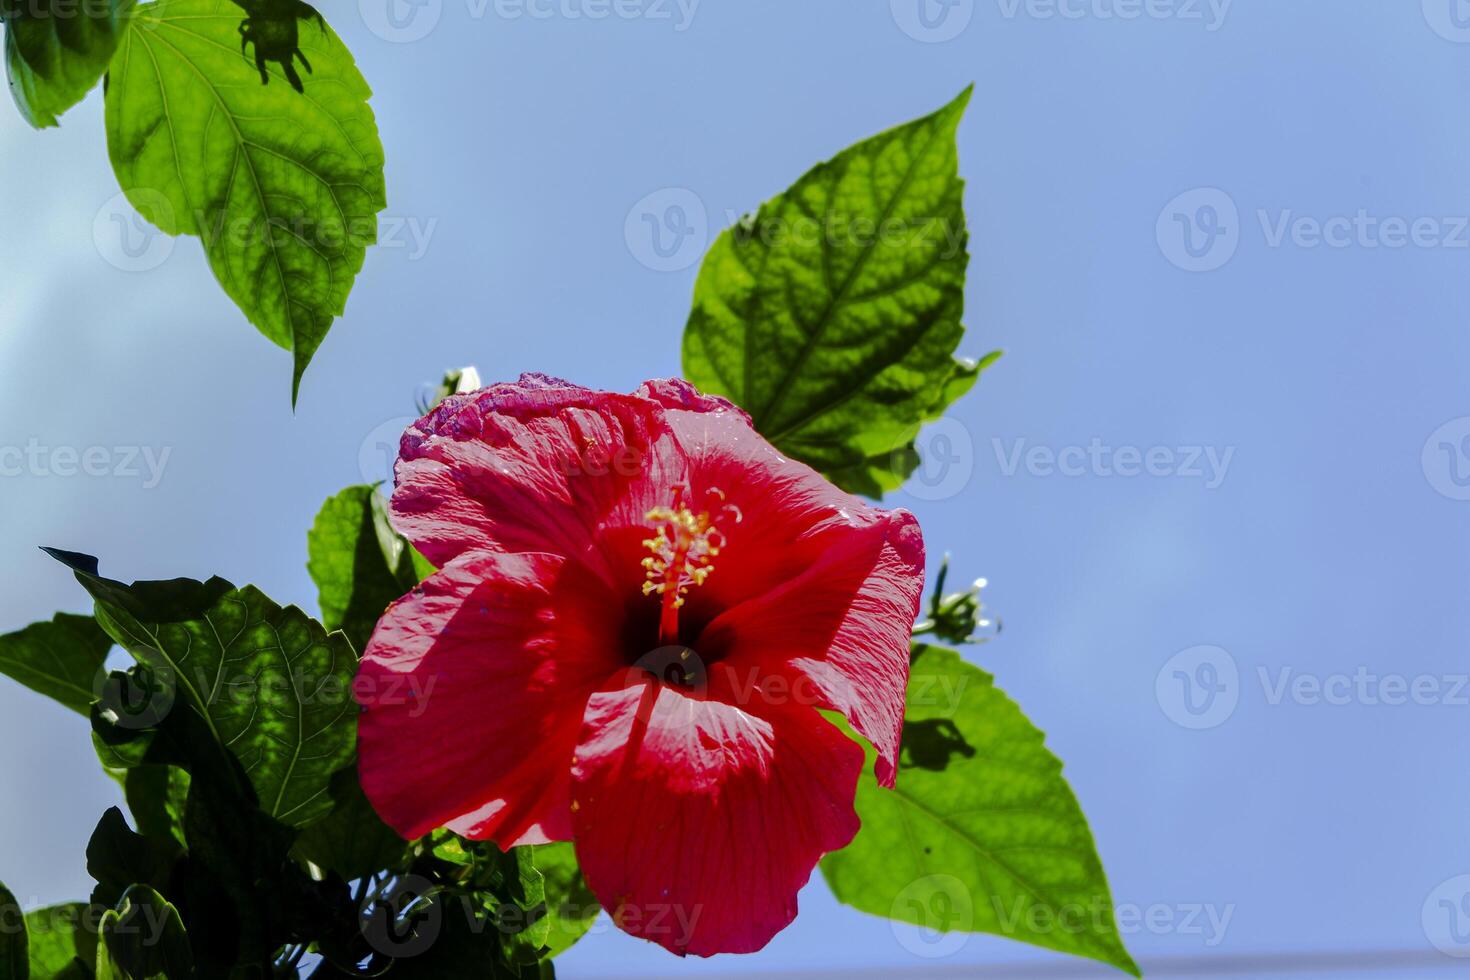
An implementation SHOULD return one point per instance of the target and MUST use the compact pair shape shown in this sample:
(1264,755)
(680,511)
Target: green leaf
(156,796)
(832,315)
(983,833)
(571,908)
(60,659)
(246,857)
(56,51)
(283,187)
(143,939)
(359,563)
(517,904)
(352,840)
(508,889)
(62,937)
(267,682)
(14,955)
(118,858)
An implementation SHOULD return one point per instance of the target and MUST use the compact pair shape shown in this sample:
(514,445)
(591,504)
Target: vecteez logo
(1446,459)
(1199,688)
(668,230)
(1450,19)
(1199,230)
(1445,917)
(932,21)
(401,21)
(125,238)
(1210,13)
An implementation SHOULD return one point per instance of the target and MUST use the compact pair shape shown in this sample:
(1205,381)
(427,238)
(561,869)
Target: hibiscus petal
(473,688)
(535,465)
(836,637)
(815,592)
(697,822)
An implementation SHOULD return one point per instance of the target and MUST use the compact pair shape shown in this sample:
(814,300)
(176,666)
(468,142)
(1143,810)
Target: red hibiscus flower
(641,608)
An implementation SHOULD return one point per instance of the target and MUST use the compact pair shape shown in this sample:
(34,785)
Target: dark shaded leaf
(56,51)
(142,939)
(14,948)
(118,858)
(351,841)
(156,796)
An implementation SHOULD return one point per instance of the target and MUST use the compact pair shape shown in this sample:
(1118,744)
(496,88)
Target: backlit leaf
(358,562)
(982,833)
(283,187)
(60,659)
(62,937)
(832,315)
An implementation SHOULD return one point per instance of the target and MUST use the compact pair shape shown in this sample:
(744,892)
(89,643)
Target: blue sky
(1222,246)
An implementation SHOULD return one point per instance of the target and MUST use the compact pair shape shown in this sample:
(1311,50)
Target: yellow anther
(683,550)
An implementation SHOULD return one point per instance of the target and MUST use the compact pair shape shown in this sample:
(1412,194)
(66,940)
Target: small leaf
(282,186)
(517,905)
(14,948)
(56,51)
(570,905)
(60,659)
(359,563)
(62,938)
(832,315)
(269,683)
(982,833)
(502,892)
(144,939)
(118,858)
